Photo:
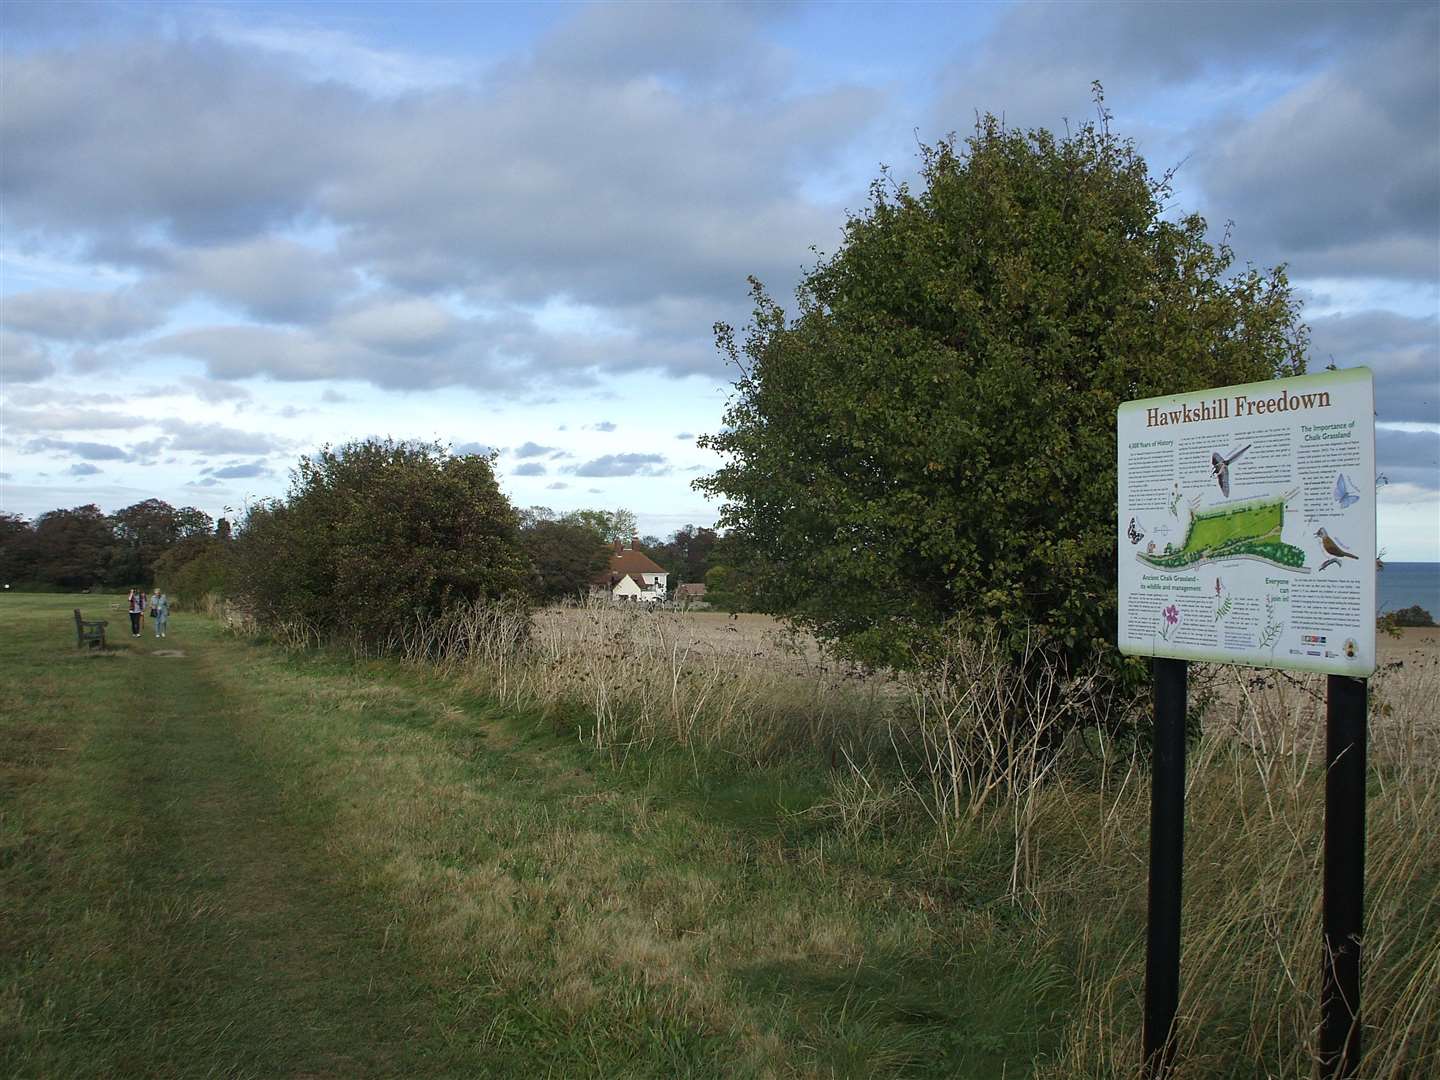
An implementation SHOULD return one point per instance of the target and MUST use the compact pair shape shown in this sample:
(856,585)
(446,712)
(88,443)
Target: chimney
(619,546)
(634,543)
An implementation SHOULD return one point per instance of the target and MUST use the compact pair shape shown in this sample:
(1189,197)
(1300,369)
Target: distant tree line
(83,547)
(369,535)
(566,559)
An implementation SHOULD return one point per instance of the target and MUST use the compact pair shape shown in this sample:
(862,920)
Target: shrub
(193,569)
(376,534)
(1414,615)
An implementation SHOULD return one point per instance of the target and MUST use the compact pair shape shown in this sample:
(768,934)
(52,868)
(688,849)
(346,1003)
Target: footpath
(220,859)
(180,914)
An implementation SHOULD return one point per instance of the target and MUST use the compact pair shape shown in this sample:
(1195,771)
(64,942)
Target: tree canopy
(687,555)
(930,440)
(83,547)
(566,556)
(18,555)
(145,531)
(375,533)
(73,548)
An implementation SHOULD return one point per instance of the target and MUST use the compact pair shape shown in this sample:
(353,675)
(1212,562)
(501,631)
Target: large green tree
(144,531)
(566,556)
(74,548)
(18,554)
(609,525)
(196,566)
(376,533)
(930,441)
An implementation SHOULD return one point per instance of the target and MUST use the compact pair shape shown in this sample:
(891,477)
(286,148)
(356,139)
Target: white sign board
(1246,524)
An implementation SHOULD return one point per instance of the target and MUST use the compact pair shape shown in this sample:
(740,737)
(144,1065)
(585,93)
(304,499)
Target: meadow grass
(624,843)
(256,862)
(951,765)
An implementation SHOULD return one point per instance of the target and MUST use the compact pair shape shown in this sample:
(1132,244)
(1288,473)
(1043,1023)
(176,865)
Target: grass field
(1245,530)
(244,863)
(1217,528)
(249,861)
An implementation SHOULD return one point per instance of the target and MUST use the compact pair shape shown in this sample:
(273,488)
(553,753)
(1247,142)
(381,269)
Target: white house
(632,576)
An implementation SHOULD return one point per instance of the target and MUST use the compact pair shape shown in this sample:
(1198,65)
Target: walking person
(160,612)
(137,611)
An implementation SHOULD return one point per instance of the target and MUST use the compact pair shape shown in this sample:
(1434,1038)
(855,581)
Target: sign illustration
(1245,524)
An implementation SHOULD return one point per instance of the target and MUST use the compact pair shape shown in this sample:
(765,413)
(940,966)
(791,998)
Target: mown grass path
(190,922)
(235,862)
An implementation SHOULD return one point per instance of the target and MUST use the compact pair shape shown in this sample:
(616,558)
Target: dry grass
(937,755)
(627,675)
(1252,941)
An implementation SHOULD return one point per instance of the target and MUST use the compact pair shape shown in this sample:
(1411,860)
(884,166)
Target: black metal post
(1344,895)
(1167,842)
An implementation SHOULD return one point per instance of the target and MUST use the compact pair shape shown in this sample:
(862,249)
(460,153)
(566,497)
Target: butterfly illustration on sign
(1220,466)
(1134,532)
(1345,493)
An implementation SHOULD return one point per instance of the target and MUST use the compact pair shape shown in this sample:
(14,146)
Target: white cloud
(324,54)
(218,439)
(62,419)
(213,391)
(23,359)
(88,450)
(406,326)
(1373,207)
(270,278)
(78,315)
(240,472)
(622,465)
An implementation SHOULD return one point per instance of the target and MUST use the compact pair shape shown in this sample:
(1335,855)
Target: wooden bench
(89,630)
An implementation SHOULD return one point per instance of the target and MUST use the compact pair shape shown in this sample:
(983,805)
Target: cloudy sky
(231,233)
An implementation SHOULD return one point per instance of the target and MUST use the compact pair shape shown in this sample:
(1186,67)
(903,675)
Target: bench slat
(91,630)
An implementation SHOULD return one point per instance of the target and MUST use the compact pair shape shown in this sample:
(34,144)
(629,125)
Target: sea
(1401,584)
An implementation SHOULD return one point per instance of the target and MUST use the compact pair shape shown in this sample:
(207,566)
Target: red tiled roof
(634,562)
(627,563)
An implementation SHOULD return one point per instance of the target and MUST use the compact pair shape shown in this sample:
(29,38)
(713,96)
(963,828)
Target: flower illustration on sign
(1171,615)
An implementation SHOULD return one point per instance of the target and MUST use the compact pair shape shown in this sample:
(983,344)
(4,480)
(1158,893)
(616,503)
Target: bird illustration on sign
(1334,548)
(1220,466)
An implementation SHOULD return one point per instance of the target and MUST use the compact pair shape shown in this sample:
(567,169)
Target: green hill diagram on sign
(1240,530)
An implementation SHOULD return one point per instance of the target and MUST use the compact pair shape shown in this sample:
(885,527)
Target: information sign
(1246,524)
